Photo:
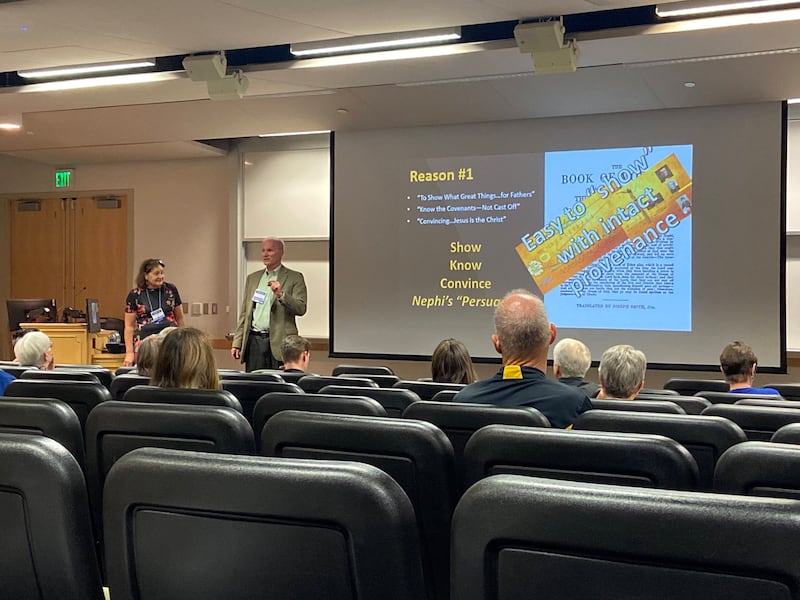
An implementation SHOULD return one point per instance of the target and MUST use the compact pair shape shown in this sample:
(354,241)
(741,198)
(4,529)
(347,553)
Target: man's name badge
(260,296)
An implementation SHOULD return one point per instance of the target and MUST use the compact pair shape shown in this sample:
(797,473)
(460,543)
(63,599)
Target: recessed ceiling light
(689,84)
(342,111)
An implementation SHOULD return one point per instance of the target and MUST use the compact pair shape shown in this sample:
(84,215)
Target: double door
(71,249)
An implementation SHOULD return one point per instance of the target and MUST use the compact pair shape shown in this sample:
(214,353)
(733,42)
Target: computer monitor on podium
(30,310)
(92,315)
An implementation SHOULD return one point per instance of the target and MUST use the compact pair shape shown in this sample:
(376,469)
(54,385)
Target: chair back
(248,392)
(459,420)
(312,384)
(384,381)
(790,391)
(688,386)
(771,401)
(758,422)
(122,383)
(47,551)
(732,397)
(361,370)
(760,469)
(634,459)
(691,405)
(66,374)
(104,375)
(788,434)
(159,395)
(394,400)
(81,396)
(706,438)
(445,396)
(263,527)
(415,453)
(658,392)
(427,389)
(14,369)
(43,416)
(243,376)
(649,406)
(123,370)
(559,540)
(287,376)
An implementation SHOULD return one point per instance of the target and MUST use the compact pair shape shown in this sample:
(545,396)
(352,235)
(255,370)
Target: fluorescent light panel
(86,69)
(793,101)
(11,122)
(386,41)
(700,7)
(264,135)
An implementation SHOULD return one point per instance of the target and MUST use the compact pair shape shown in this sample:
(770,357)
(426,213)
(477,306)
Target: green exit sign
(64,177)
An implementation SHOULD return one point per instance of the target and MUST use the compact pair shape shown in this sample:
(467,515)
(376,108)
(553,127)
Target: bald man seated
(522,337)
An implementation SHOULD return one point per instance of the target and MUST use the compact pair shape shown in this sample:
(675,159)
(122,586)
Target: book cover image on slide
(615,250)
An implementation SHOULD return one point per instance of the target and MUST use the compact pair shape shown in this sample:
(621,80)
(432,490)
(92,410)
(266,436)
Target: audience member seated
(522,337)
(738,363)
(34,350)
(16,335)
(5,379)
(296,352)
(451,363)
(571,360)
(621,371)
(186,360)
(147,355)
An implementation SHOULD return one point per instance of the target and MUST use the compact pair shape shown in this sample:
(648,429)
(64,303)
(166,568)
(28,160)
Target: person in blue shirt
(738,363)
(5,379)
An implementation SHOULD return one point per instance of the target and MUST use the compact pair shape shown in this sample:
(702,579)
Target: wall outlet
(214,308)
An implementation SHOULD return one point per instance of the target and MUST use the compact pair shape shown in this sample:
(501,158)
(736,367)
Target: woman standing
(150,307)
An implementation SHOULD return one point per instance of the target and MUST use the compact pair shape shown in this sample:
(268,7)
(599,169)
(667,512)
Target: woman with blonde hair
(451,363)
(186,360)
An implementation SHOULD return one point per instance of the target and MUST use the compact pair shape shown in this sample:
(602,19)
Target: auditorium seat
(758,422)
(275,402)
(14,369)
(445,396)
(523,537)
(123,370)
(312,384)
(288,377)
(427,389)
(788,434)
(242,376)
(415,453)
(689,386)
(731,397)
(261,528)
(43,416)
(760,469)
(394,400)
(384,381)
(691,405)
(115,428)
(104,375)
(56,374)
(790,391)
(635,459)
(152,393)
(249,391)
(657,392)
(459,420)
(361,370)
(122,383)
(772,401)
(650,406)
(47,551)
(706,438)
(81,396)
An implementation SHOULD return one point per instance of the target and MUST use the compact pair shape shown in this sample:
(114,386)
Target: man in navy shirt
(738,363)
(522,337)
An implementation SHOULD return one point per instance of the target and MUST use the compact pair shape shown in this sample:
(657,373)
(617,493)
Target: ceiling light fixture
(11,122)
(366,43)
(704,7)
(264,135)
(70,71)
(793,101)
(91,82)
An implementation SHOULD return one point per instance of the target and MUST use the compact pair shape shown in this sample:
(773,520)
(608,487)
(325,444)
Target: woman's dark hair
(451,363)
(147,266)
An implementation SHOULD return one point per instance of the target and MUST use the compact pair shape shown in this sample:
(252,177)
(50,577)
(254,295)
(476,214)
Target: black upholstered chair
(287,376)
(593,456)
(790,391)
(760,469)
(657,392)
(262,527)
(523,537)
(689,386)
(122,383)
(650,406)
(691,405)
(243,376)
(123,370)
(361,370)
(394,400)
(706,438)
(788,434)
(14,369)
(731,397)
(274,402)
(445,396)
(159,395)
(104,375)
(248,392)
(81,396)
(415,453)
(312,384)
(47,551)
(384,381)
(772,401)
(115,428)
(58,374)
(427,389)
(459,420)
(758,422)
(43,416)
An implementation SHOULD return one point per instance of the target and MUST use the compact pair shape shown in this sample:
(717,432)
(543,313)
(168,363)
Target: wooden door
(39,249)
(99,262)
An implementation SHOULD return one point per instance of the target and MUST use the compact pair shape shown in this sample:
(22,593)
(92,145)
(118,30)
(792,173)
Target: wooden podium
(73,345)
